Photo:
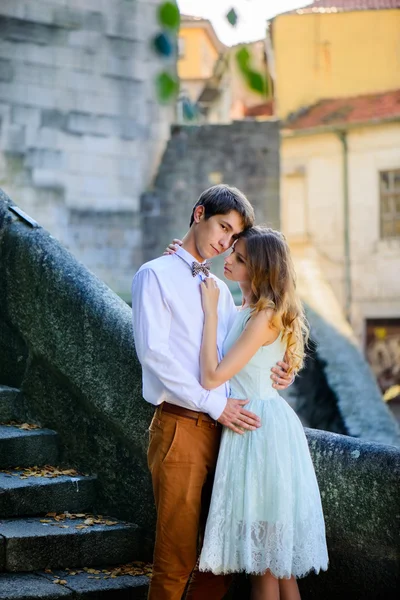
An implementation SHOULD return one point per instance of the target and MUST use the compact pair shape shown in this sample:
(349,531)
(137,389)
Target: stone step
(11,404)
(32,586)
(22,448)
(40,495)
(29,545)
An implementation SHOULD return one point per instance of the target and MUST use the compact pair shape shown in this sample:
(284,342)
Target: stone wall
(244,154)
(81,130)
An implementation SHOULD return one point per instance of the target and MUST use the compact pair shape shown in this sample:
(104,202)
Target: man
(186,427)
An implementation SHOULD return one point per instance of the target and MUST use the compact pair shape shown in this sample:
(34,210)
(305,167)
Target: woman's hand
(171,248)
(209,296)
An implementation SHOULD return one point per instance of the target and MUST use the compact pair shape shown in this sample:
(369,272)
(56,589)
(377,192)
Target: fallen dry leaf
(47,471)
(25,426)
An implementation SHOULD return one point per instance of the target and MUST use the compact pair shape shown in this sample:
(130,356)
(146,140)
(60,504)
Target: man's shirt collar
(187,257)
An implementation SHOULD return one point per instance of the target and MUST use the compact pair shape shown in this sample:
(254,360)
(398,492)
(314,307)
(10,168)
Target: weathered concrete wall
(80,375)
(81,128)
(244,154)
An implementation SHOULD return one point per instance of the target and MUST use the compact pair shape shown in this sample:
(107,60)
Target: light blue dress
(265,510)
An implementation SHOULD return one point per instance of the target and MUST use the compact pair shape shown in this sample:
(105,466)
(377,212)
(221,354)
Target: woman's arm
(257,333)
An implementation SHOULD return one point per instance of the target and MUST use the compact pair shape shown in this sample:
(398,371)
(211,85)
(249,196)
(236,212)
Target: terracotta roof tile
(266,109)
(346,5)
(342,111)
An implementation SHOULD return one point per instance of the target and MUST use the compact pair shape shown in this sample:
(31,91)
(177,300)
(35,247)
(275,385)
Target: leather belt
(200,417)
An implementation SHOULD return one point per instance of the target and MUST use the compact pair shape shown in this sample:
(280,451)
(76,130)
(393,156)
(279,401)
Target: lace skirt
(265,511)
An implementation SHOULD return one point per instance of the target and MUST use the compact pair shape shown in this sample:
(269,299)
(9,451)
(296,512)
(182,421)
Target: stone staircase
(51,544)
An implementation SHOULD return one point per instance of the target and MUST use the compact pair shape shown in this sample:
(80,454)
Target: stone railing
(66,341)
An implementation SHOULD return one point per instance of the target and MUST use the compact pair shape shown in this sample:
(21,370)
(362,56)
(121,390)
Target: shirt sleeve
(151,318)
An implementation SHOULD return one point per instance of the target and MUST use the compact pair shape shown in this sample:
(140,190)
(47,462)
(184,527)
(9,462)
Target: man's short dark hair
(221,199)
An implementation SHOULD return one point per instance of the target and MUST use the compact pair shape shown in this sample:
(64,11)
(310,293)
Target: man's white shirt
(168,324)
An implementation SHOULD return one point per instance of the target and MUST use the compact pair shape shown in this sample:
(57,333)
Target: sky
(252,16)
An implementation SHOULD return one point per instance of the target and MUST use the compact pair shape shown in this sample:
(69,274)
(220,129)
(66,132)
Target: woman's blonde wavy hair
(273,285)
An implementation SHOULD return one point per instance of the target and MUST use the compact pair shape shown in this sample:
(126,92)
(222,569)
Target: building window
(389,187)
(181,47)
(383,353)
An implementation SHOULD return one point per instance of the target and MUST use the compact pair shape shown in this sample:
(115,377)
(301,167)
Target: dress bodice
(254,380)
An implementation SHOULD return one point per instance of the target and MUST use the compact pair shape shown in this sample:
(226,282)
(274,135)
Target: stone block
(128,167)
(68,18)
(131,129)
(14,139)
(10,8)
(29,586)
(54,119)
(11,404)
(47,137)
(48,179)
(82,81)
(90,41)
(122,26)
(25,115)
(37,11)
(36,95)
(25,448)
(40,495)
(94,21)
(123,587)
(74,58)
(29,52)
(40,75)
(32,545)
(122,48)
(44,158)
(121,68)
(19,30)
(110,146)
(79,122)
(101,186)
(7,71)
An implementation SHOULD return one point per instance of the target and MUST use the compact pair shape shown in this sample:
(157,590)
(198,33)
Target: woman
(265,516)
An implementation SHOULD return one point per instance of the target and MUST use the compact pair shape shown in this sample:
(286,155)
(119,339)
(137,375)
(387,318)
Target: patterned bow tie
(200,268)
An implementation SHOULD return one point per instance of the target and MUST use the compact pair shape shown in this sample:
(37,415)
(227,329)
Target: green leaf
(243,58)
(256,82)
(163,44)
(232,17)
(167,86)
(168,15)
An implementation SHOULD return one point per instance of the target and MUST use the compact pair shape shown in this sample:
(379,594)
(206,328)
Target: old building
(337,93)
(198,50)
(210,78)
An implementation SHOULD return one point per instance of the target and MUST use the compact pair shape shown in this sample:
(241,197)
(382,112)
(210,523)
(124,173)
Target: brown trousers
(182,456)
